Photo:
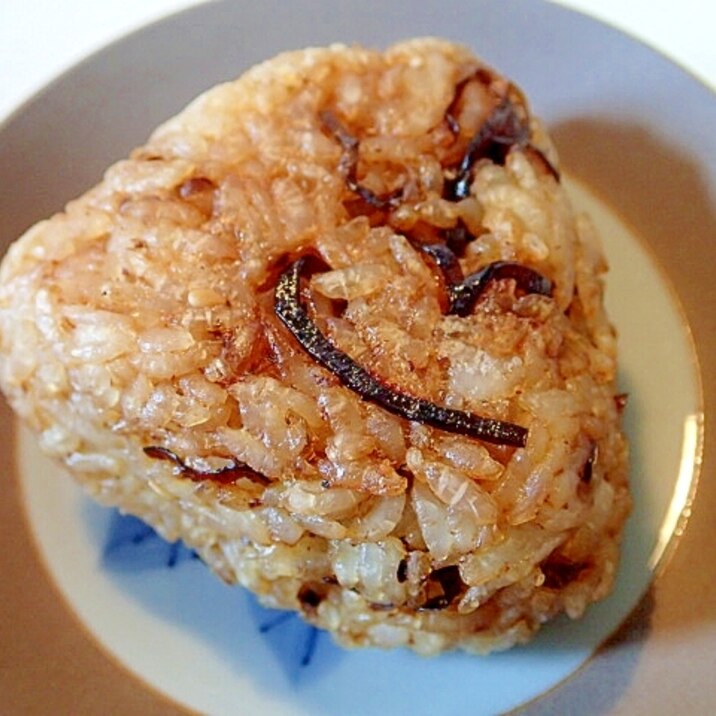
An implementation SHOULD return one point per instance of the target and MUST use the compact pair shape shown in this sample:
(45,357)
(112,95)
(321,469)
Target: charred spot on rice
(337,327)
(310,597)
(443,586)
(587,470)
(559,571)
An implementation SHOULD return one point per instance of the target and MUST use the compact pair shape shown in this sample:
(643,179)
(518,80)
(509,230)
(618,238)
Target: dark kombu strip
(291,309)
(225,475)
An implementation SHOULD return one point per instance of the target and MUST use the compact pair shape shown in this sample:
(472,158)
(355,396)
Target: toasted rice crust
(142,316)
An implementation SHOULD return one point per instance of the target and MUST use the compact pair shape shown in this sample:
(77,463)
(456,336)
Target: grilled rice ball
(337,327)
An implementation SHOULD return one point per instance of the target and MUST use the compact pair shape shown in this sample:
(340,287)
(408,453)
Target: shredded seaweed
(481,75)
(463,293)
(501,130)
(446,260)
(559,571)
(349,165)
(225,475)
(291,310)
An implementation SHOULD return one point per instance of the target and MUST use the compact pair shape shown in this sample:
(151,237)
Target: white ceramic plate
(212,648)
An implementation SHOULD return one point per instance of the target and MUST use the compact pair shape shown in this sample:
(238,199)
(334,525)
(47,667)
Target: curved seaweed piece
(224,475)
(349,165)
(465,294)
(498,133)
(291,310)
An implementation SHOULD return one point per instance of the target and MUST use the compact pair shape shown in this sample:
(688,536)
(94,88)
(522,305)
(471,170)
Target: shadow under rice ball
(337,327)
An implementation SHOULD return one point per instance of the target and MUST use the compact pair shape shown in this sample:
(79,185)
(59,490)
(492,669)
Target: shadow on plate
(598,686)
(658,189)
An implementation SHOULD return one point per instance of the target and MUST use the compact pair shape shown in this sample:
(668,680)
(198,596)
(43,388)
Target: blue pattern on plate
(131,546)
